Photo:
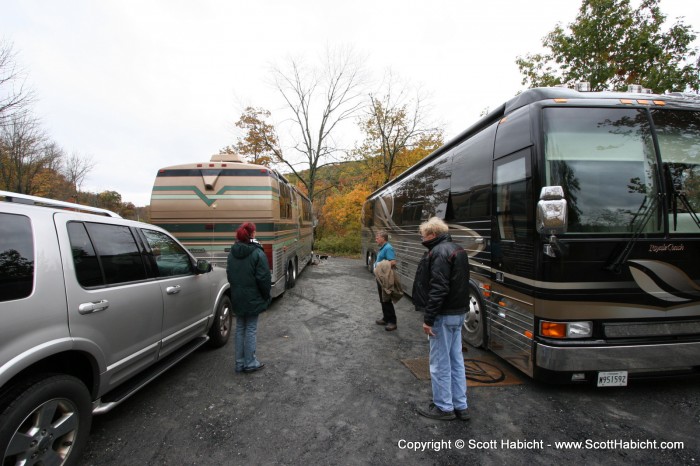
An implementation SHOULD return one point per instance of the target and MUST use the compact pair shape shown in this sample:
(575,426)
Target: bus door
(510,318)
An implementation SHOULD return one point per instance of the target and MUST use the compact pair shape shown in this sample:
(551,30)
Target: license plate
(612,379)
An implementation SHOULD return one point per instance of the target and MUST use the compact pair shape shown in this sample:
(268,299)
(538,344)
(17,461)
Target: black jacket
(441,286)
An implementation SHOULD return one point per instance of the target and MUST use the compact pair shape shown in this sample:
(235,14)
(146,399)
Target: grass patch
(349,245)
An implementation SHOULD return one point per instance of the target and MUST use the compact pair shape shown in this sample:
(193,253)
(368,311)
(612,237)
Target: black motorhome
(579,212)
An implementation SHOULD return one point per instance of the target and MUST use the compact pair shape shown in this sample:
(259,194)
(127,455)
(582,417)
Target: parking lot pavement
(335,391)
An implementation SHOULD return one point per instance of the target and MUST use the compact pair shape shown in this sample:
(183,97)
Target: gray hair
(383,234)
(434,226)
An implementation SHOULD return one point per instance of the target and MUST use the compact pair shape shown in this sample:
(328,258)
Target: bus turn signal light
(582,329)
(553,330)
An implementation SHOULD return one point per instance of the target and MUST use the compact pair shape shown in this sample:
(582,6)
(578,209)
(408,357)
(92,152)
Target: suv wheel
(221,328)
(45,421)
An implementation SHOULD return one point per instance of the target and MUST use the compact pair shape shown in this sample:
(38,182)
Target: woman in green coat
(249,275)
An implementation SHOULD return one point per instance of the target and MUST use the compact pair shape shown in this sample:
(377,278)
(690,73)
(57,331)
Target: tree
(394,124)
(24,153)
(110,200)
(341,212)
(611,45)
(319,100)
(260,141)
(75,168)
(14,97)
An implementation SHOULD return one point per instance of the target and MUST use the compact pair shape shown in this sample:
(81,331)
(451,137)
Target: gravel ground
(334,391)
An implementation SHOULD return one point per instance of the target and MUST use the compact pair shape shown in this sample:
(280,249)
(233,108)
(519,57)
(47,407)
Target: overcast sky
(142,84)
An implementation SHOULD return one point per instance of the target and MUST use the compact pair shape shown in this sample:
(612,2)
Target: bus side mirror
(551,211)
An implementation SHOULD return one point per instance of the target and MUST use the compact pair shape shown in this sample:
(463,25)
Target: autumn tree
(24,152)
(611,44)
(394,123)
(259,142)
(319,101)
(341,212)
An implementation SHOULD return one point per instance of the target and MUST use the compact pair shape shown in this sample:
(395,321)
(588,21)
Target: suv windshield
(604,160)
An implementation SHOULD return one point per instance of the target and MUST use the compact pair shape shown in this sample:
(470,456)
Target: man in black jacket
(441,292)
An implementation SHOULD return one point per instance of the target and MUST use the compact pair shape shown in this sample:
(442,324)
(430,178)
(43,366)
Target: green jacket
(249,275)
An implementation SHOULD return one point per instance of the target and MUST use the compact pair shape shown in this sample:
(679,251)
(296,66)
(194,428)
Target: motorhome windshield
(604,160)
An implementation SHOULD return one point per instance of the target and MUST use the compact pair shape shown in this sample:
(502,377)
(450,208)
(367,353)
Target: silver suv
(92,307)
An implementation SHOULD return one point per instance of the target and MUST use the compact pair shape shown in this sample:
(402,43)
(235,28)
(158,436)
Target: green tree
(611,45)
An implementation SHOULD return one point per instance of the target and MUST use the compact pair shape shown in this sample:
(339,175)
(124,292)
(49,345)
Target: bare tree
(75,169)
(24,152)
(14,96)
(320,101)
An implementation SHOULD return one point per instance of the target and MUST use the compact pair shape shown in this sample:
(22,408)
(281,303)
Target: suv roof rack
(7,196)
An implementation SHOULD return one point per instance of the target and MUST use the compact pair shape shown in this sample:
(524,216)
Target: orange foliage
(341,212)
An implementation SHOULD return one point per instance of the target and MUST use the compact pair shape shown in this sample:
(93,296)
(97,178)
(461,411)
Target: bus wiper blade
(679,194)
(638,224)
(684,199)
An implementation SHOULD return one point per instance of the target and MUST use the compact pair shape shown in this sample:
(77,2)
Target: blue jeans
(447,363)
(246,331)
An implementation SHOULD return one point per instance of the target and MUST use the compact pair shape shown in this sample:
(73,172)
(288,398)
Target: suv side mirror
(203,266)
(551,211)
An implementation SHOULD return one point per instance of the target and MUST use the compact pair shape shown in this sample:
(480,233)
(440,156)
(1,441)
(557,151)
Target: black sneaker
(462,414)
(248,370)
(380,322)
(433,412)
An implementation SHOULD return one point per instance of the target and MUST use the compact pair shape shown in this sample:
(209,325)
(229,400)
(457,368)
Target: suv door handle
(173,289)
(97,306)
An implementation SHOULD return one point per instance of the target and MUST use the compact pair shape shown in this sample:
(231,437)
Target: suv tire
(221,328)
(55,411)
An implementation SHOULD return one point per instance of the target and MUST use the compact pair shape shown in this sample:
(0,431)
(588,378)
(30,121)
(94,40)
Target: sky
(138,85)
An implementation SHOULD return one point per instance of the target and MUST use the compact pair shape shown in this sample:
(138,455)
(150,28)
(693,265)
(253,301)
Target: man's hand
(428,330)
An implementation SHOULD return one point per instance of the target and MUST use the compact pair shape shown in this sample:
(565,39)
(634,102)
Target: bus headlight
(566,329)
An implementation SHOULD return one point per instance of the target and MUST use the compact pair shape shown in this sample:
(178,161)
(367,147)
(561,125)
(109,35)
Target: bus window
(397,212)
(678,134)
(512,185)
(604,160)
(411,214)
(472,204)
(471,176)
(285,200)
(305,209)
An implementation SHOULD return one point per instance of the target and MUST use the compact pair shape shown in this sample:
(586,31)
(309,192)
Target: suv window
(170,257)
(16,257)
(105,254)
